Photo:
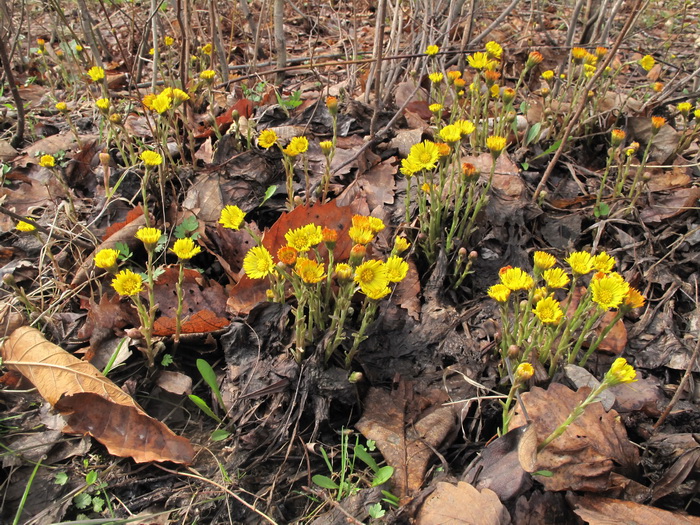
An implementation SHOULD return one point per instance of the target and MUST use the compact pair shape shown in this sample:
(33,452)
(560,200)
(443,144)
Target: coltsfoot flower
(96,73)
(581,263)
(515,278)
(47,161)
(149,236)
(309,270)
(432,50)
(299,144)
(647,62)
(258,263)
(127,283)
(620,372)
(603,262)
(634,299)
(396,269)
(106,259)
(360,235)
(267,138)
(304,238)
(499,292)
(151,158)
(451,134)
(372,277)
(548,311)
(524,371)
(185,248)
(401,245)
(287,255)
(25,227)
(494,49)
(425,155)
(608,291)
(555,278)
(495,144)
(231,217)
(207,75)
(544,260)
(436,78)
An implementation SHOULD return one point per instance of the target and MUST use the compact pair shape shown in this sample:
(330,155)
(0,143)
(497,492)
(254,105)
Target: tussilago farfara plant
(542,318)
(322,287)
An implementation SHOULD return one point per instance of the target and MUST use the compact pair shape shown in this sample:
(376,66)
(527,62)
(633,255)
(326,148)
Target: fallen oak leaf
(63,380)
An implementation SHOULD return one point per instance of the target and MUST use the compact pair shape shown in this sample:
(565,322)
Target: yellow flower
(180,95)
(127,283)
(495,144)
(78,48)
(544,260)
(106,258)
(608,291)
(102,104)
(207,74)
(151,158)
(425,155)
(147,101)
(647,62)
(360,235)
(401,244)
(377,294)
(657,123)
(309,270)
(410,166)
(185,248)
(61,106)
(603,262)
(435,108)
(343,272)
(499,292)
(494,49)
(287,255)
(169,41)
(162,103)
(258,263)
(451,133)
(533,59)
(267,138)
(432,50)
(372,277)
(300,144)
(466,127)
(435,78)
(47,161)
(589,70)
(616,137)
(581,263)
(590,59)
(495,90)
(231,217)
(684,108)
(396,269)
(658,87)
(375,224)
(149,236)
(443,149)
(578,53)
(25,227)
(556,278)
(524,371)
(426,188)
(548,311)
(152,51)
(326,146)
(453,75)
(634,299)
(620,372)
(207,49)
(96,73)
(516,278)
(548,75)
(481,61)
(304,238)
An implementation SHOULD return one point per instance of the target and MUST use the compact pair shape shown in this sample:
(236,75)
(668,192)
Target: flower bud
(513,351)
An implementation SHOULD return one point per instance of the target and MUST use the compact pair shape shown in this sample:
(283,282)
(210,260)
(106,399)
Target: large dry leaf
(595,510)
(406,443)
(666,206)
(94,405)
(585,455)
(462,504)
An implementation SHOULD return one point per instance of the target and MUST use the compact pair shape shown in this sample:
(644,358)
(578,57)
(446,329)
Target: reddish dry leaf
(584,456)
(104,318)
(665,179)
(596,510)
(201,322)
(130,217)
(249,292)
(670,205)
(94,404)
(462,504)
(406,443)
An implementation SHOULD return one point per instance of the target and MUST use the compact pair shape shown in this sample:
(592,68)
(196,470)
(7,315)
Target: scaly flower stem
(369,308)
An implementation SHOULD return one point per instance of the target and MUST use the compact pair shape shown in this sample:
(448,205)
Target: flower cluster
(545,313)
(323,287)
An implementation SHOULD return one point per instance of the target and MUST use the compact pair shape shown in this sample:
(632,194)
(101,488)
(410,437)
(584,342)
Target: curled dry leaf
(93,404)
(595,510)
(462,504)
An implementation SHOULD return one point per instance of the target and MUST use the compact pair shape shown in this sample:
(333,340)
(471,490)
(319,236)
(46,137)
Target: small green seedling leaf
(376,511)
(361,452)
(382,475)
(551,149)
(82,500)
(324,482)
(167,360)
(371,445)
(97,504)
(219,434)
(525,166)
(186,227)
(545,473)
(269,192)
(91,477)
(209,377)
(61,478)
(124,251)
(601,210)
(204,407)
(533,134)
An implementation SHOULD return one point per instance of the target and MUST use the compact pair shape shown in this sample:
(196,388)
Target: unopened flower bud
(513,351)
(104,158)
(9,280)
(356,377)
(473,255)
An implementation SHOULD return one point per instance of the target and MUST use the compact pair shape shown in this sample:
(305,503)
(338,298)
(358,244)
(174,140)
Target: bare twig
(280,40)
(18,137)
(494,24)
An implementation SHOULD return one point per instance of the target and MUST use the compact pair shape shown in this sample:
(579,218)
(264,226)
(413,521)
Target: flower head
(435,78)
(516,279)
(162,103)
(499,292)
(102,104)
(634,299)
(494,50)
(106,258)
(207,49)
(608,291)
(555,278)
(581,263)
(658,87)
(548,75)
(151,158)
(304,238)
(287,255)
(647,62)
(443,149)
(620,372)
(267,138)
(372,276)
(25,227)
(432,50)
(481,61)
(96,73)
(396,269)
(169,41)
(360,235)
(299,144)
(185,248)
(231,217)
(578,54)
(332,105)
(548,311)
(343,272)
(603,262)
(534,58)
(425,155)
(401,245)
(309,270)
(377,294)
(326,147)
(657,123)
(435,108)
(544,260)
(524,371)
(61,106)
(207,75)
(496,145)
(684,108)
(47,161)
(466,127)
(451,134)
(453,75)
(127,283)
(330,237)
(410,166)
(149,236)
(617,136)
(258,263)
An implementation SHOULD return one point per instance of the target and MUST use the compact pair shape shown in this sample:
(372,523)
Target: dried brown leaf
(595,510)
(462,504)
